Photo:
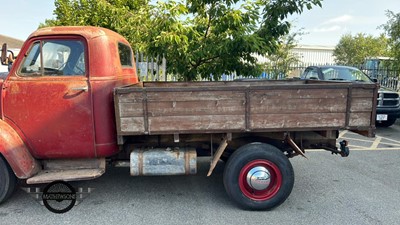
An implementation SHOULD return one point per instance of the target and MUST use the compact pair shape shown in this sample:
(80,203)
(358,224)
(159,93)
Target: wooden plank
(362,92)
(130,109)
(223,83)
(205,123)
(300,94)
(189,108)
(295,106)
(132,124)
(193,96)
(361,104)
(360,119)
(297,120)
(133,97)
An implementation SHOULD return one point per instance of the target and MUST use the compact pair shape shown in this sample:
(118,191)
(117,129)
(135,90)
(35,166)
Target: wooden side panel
(302,108)
(361,107)
(130,112)
(207,107)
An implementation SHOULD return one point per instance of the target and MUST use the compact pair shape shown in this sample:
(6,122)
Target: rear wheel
(258,176)
(7,180)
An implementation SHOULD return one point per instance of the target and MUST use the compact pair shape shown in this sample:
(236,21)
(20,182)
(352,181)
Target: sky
(322,26)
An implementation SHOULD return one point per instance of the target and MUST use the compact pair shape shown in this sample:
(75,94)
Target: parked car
(388,105)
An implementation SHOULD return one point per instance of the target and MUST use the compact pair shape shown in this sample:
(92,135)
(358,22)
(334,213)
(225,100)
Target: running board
(72,172)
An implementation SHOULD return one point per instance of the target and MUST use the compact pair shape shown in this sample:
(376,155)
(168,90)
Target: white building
(315,54)
(308,55)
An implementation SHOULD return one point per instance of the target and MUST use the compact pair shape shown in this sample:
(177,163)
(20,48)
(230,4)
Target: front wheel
(7,180)
(258,176)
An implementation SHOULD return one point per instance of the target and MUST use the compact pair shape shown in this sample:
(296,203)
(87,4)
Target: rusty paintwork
(16,153)
(53,117)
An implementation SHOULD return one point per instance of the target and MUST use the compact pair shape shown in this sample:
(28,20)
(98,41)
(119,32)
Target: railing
(152,68)
(155,69)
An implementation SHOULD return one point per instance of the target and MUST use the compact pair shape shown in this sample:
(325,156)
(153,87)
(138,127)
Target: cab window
(125,55)
(55,58)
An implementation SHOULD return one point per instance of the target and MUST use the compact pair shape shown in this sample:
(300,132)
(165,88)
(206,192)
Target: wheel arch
(15,152)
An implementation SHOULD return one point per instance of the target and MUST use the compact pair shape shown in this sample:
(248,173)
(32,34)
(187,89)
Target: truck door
(48,99)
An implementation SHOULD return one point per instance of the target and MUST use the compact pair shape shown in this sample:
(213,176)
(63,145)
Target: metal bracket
(176,137)
(294,145)
(218,153)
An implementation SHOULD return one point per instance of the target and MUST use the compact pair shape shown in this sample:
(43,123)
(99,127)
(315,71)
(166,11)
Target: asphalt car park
(360,189)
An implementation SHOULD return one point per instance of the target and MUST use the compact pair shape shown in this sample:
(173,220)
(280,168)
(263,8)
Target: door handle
(85,88)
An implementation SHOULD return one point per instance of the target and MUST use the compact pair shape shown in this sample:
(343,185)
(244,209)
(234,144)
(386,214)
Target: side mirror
(375,80)
(4,54)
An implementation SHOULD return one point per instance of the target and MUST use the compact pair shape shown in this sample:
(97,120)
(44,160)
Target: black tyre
(7,180)
(258,177)
(386,123)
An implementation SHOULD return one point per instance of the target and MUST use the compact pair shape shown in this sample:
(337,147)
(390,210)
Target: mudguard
(16,153)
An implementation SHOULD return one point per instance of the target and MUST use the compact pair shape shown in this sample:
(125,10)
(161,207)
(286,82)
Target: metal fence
(155,69)
(151,68)
(386,76)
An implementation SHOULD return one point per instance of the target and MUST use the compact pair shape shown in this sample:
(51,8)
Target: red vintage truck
(72,105)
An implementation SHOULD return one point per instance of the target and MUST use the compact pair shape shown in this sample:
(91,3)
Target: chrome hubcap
(258,178)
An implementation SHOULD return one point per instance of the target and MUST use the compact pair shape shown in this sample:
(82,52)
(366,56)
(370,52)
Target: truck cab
(59,104)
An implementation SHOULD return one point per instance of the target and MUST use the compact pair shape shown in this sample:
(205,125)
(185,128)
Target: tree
(279,63)
(200,38)
(353,50)
(129,18)
(221,37)
(392,28)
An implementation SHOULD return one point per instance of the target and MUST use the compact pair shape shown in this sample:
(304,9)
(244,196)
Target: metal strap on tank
(140,162)
(145,112)
(187,163)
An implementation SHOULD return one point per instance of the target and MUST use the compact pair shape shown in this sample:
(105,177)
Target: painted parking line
(361,143)
(378,143)
(356,149)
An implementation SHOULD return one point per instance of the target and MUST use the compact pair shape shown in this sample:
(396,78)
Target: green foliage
(129,18)
(392,28)
(353,50)
(199,38)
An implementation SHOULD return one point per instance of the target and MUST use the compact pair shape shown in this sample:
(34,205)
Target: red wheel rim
(271,187)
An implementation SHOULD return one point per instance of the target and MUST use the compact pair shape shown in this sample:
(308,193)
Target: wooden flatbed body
(153,108)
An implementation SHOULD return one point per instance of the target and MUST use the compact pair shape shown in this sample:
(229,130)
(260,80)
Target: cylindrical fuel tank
(163,161)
